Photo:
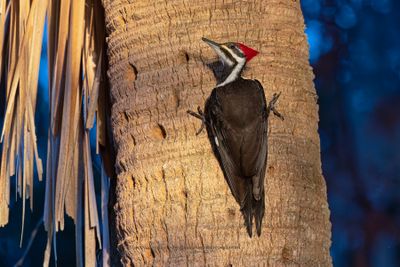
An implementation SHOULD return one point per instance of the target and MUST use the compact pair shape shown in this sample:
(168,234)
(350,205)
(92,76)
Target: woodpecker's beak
(217,48)
(213,44)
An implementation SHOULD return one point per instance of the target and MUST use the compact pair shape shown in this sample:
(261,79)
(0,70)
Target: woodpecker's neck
(232,72)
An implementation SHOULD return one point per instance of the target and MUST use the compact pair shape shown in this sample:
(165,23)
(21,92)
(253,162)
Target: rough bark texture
(173,206)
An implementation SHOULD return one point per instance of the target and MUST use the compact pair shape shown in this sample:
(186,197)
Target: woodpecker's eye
(232,46)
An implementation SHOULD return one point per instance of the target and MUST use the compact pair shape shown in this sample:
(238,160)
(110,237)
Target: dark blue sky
(355,52)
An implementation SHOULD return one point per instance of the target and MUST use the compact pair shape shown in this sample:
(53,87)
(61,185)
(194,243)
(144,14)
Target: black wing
(230,146)
(219,134)
(240,154)
(263,153)
(259,204)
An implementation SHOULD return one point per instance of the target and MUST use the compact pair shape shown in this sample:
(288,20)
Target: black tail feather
(247,211)
(259,210)
(252,207)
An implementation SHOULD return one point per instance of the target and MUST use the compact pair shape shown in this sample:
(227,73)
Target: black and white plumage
(236,118)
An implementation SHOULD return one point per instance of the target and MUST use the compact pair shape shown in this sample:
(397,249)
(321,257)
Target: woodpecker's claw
(271,106)
(199,115)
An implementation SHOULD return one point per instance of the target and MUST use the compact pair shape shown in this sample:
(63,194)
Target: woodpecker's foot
(199,115)
(271,106)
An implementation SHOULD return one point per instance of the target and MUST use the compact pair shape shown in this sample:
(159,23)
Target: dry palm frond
(18,134)
(75,50)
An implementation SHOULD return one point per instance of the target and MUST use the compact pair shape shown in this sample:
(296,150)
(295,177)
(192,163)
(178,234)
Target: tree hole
(153,254)
(184,56)
(231,212)
(158,132)
(133,72)
(185,193)
(287,254)
(163,132)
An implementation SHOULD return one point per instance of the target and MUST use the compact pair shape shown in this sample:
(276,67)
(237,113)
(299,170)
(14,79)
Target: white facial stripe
(236,57)
(236,70)
(230,51)
(221,54)
(226,60)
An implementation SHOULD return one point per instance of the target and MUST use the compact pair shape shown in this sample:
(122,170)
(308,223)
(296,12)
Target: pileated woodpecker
(236,118)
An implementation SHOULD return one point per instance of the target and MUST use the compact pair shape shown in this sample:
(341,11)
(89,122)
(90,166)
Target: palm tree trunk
(173,206)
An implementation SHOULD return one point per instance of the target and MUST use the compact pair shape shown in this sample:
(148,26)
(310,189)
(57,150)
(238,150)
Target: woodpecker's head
(232,53)
(234,57)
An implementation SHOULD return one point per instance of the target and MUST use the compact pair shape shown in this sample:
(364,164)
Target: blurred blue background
(355,53)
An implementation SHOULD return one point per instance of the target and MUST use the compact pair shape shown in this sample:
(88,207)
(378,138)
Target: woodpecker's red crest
(247,51)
